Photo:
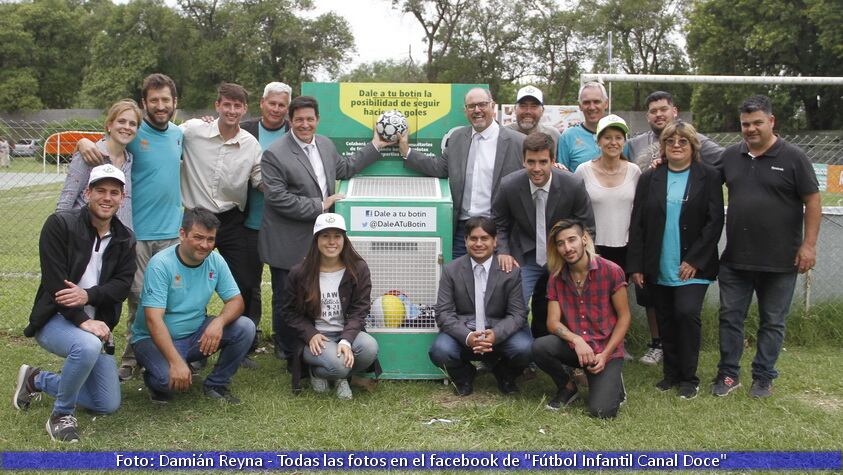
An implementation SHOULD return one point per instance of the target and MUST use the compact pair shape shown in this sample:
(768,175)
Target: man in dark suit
(474,161)
(521,242)
(481,315)
(299,173)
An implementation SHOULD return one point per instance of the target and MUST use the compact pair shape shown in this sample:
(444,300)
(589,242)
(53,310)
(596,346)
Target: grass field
(806,412)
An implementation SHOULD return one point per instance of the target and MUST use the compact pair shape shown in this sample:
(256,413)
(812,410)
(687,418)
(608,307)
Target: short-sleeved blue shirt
(156,190)
(183,292)
(576,145)
(255,212)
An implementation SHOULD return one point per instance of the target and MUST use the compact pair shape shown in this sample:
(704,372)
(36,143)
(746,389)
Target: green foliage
(388,71)
(772,38)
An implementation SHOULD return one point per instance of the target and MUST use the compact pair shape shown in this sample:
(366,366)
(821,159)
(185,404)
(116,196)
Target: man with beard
(529,108)
(644,148)
(587,317)
(156,190)
(87,263)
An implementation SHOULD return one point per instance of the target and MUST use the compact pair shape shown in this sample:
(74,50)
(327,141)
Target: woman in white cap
(121,127)
(610,181)
(327,299)
(676,224)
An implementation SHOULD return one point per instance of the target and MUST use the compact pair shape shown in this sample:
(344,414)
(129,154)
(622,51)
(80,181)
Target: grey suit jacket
(505,309)
(515,212)
(452,163)
(293,198)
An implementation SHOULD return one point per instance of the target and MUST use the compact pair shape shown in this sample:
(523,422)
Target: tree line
(88,53)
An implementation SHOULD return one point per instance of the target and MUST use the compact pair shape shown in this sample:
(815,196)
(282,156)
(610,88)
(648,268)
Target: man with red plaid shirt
(587,317)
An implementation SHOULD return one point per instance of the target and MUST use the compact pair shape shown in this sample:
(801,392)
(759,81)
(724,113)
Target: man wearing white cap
(529,108)
(87,265)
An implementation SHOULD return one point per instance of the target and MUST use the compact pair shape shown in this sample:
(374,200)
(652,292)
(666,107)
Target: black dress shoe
(507,386)
(463,388)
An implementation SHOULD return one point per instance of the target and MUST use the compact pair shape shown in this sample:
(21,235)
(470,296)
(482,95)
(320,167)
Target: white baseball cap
(106,171)
(612,120)
(328,221)
(530,91)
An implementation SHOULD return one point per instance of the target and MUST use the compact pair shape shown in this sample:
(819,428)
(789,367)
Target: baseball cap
(530,91)
(328,221)
(106,171)
(612,120)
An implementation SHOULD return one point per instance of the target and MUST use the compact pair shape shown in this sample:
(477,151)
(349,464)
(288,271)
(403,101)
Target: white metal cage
(405,278)
(394,187)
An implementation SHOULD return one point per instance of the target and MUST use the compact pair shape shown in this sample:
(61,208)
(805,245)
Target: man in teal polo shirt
(172,329)
(156,189)
(272,125)
(578,144)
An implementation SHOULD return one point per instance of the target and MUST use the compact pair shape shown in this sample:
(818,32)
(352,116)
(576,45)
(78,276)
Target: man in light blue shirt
(156,188)
(171,328)
(269,127)
(578,144)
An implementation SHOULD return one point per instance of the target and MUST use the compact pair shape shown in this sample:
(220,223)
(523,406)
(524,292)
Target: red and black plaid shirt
(590,315)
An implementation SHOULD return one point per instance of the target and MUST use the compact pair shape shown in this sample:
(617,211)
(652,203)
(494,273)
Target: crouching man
(481,315)
(87,264)
(171,327)
(587,318)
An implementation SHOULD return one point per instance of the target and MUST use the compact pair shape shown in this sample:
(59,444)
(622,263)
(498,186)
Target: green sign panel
(348,112)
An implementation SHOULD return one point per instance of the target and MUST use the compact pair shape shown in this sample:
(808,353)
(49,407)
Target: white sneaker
(320,385)
(653,356)
(343,389)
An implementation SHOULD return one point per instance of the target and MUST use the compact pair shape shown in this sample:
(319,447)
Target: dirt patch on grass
(821,400)
(447,399)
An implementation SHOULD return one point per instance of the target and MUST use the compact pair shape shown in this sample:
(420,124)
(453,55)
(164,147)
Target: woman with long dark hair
(676,223)
(327,299)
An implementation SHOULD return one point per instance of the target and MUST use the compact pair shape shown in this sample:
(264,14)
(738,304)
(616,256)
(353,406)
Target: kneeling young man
(481,315)
(587,317)
(171,327)
(87,264)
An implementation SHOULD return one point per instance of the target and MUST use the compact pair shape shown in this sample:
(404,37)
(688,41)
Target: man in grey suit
(299,174)
(474,161)
(481,315)
(522,240)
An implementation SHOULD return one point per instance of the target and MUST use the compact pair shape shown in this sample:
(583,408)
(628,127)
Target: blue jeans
(331,367)
(775,294)
(88,377)
(236,340)
(530,273)
(446,352)
(459,249)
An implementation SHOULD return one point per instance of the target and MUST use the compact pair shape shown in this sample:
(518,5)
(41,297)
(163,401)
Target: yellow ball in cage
(393,311)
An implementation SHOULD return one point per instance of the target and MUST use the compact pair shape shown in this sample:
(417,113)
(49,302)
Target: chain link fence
(30,186)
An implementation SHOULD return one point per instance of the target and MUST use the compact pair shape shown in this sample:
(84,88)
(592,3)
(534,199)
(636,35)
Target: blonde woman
(121,127)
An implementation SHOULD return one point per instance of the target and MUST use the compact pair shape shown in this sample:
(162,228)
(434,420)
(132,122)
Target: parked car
(26,148)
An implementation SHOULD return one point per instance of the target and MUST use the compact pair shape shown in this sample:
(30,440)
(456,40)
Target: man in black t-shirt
(769,180)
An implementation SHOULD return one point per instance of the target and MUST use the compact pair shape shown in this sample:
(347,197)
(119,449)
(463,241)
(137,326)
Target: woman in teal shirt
(677,218)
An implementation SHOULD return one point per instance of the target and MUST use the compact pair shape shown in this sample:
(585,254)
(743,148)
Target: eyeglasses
(671,142)
(477,105)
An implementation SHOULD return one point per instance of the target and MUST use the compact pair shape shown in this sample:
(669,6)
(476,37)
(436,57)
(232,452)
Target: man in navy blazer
(475,160)
(514,211)
(299,174)
(481,322)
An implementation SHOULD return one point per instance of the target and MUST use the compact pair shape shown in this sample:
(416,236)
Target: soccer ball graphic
(390,125)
